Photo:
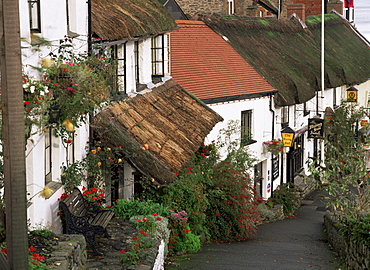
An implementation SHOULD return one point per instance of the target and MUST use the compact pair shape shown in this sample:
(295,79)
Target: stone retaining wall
(354,255)
(69,254)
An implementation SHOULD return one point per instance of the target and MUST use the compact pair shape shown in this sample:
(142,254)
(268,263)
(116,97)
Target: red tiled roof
(208,67)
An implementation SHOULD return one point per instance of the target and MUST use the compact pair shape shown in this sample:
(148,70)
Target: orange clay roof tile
(207,66)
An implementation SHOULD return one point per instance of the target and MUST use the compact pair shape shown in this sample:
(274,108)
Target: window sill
(54,186)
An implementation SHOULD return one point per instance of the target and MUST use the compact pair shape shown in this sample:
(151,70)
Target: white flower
(32,89)
(46,89)
(26,85)
(42,93)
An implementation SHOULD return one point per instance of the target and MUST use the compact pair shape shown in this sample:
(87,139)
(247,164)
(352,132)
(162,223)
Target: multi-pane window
(158,56)
(34,13)
(119,54)
(230,7)
(284,116)
(246,127)
(137,62)
(48,157)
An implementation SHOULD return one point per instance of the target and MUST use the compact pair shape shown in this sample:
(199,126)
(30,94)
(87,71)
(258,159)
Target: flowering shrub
(181,240)
(93,194)
(217,194)
(70,84)
(275,146)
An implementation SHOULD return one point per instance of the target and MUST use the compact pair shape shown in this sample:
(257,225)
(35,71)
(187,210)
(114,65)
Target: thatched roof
(119,19)
(171,121)
(288,56)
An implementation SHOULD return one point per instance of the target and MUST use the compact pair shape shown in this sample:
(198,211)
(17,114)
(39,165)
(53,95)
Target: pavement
(293,243)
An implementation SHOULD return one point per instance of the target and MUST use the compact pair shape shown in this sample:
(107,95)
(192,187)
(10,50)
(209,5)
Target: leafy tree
(344,172)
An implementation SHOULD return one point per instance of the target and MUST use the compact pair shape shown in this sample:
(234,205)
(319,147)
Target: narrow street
(294,243)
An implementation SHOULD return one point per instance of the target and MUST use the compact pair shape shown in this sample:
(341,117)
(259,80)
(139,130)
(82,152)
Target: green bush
(356,229)
(129,208)
(286,195)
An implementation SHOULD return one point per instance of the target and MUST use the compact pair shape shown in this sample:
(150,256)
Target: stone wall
(354,255)
(70,254)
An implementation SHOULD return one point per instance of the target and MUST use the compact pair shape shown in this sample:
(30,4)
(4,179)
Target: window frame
(48,159)
(158,48)
(120,84)
(246,127)
(137,61)
(284,116)
(34,4)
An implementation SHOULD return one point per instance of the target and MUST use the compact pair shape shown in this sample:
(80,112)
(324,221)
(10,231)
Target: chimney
(298,9)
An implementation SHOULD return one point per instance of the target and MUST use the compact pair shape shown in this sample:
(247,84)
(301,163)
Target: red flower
(177,174)
(143,233)
(83,188)
(94,190)
(122,251)
(154,214)
(217,214)
(159,218)
(32,249)
(3,250)
(27,102)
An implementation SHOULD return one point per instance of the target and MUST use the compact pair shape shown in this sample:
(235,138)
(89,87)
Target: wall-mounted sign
(287,134)
(315,128)
(352,94)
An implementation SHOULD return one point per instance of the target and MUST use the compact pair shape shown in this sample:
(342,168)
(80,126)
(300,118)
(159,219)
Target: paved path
(294,243)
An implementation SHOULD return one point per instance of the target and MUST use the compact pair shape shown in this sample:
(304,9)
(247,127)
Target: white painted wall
(53,28)
(261,130)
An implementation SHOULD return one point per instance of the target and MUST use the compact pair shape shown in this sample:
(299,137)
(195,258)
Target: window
(48,157)
(246,127)
(137,64)
(158,56)
(305,110)
(119,54)
(70,148)
(230,7)
(34,13)
(284,116)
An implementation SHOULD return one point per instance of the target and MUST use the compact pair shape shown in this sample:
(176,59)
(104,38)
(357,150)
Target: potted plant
(275,146)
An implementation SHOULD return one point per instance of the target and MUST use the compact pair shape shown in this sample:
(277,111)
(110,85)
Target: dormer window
(34,13)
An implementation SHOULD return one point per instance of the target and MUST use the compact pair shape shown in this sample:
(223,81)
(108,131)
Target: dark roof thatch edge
(118,19)
(238,97)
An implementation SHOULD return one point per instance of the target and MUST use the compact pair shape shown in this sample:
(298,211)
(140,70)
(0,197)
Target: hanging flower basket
(275,146)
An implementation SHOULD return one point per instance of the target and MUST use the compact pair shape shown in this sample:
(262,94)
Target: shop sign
(315,128)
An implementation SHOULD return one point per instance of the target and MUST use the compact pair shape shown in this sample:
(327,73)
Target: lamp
(352,94)
(287,134)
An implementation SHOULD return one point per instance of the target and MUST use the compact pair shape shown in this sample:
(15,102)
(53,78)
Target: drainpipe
(89,27)
(272,137)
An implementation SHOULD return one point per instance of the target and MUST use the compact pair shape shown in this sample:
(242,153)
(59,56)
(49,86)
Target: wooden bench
(84,217)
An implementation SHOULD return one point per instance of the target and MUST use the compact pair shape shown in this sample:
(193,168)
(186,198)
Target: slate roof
(207,66)
(171,121)
(288,55)
(127,19)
